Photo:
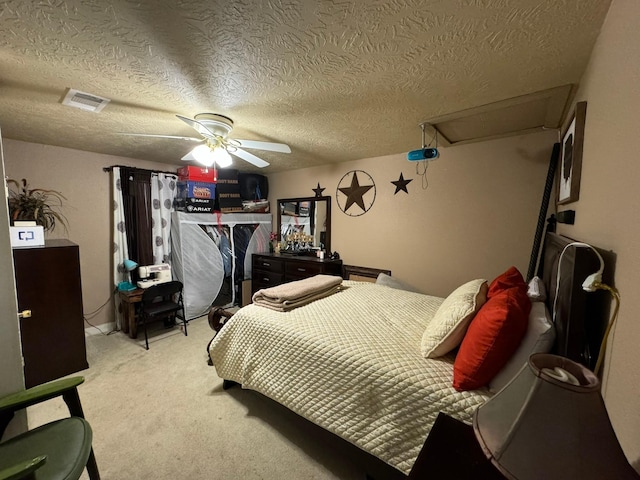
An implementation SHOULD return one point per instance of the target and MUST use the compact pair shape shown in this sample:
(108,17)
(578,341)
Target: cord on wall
(592,283)
(588,284)
(603,345)
(90,315)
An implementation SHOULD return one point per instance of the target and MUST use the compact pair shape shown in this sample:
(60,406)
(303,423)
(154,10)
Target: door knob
(24,314)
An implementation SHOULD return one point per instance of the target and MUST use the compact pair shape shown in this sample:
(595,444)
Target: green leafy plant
(36,204)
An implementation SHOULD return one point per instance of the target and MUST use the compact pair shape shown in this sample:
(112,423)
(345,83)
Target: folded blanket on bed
(296,294)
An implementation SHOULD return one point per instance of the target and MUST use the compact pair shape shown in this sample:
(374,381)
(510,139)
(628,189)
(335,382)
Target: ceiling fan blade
(190,139)
(270,146)
(197,126)
(250,157)
(189,157)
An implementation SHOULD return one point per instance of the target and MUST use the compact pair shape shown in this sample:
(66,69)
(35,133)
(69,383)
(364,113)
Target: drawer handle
(266,264)
(302,269)
(265,279)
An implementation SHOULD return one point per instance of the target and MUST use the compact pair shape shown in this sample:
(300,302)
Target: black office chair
(60,449)
(162,301)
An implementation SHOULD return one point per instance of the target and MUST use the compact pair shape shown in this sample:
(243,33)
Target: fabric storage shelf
(205,266)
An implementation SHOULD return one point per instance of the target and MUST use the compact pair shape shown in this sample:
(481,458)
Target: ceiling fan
(216,146)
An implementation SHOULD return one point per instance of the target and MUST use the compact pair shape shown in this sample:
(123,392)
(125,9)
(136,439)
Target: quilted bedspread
(350,363)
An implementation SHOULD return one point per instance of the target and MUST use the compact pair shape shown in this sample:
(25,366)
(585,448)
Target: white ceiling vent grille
(84,101)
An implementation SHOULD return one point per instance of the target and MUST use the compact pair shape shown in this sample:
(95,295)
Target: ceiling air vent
(84,101)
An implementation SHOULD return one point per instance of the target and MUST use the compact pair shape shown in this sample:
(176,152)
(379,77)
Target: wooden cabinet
(48,283)
(271,269)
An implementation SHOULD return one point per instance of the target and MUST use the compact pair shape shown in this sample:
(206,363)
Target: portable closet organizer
(198,262)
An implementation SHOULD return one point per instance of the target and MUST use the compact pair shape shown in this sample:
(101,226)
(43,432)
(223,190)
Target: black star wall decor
(361,195)
(401,184)
(318,190)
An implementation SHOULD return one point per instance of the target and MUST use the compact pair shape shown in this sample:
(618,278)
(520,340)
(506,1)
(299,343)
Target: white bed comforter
(350,363)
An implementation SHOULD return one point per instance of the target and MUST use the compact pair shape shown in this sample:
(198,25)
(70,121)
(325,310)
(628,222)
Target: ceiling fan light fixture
(204,155)
(221,157)
(217,146)
(208,156)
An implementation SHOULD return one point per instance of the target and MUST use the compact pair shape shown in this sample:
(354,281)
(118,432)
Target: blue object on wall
(423,154)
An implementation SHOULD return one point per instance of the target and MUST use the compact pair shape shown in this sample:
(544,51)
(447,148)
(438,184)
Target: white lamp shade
(539,426)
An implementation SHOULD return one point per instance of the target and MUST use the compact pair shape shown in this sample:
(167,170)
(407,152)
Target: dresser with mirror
(304,227)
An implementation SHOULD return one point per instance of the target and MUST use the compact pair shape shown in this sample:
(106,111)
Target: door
(48,284)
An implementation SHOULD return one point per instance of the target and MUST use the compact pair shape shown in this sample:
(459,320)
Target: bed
(352,363)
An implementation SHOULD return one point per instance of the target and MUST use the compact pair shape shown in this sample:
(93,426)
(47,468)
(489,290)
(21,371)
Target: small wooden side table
(452,451)
(128,300)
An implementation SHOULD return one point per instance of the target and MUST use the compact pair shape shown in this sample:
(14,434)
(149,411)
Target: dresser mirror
(309,216)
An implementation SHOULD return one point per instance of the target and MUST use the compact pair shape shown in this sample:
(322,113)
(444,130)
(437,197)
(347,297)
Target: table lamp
(129,266)
(550,422)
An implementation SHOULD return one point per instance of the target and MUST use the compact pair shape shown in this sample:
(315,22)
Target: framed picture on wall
(571,156)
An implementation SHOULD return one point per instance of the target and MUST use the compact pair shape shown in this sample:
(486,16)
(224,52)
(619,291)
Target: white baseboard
(105,327)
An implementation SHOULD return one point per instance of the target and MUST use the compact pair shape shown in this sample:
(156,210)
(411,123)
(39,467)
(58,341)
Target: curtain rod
(110,169)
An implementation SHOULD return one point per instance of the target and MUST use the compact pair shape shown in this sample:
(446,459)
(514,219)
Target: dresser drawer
(302,269)
(270,264)
(269,270)
(265,279)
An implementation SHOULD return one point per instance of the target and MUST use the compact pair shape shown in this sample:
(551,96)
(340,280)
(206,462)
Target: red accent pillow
(493,336)
(509,279)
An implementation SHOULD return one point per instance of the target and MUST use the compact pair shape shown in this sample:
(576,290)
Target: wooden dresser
(48,283)
(271,269)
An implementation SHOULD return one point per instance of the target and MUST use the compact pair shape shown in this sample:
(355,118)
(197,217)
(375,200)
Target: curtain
(120,247)
(136,193)
(142,205)
(163,191)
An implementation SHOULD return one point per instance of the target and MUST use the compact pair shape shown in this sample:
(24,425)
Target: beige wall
(78,176)
(607,212)
(480,206)
(476,218)
(480,209)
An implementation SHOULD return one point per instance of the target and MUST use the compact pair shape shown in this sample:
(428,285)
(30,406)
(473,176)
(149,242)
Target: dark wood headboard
(580,317)
(362,274)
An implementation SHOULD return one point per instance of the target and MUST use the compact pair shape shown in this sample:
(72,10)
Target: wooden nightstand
(452,451)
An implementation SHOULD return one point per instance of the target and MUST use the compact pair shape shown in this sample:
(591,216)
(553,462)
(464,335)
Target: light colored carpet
(162,414)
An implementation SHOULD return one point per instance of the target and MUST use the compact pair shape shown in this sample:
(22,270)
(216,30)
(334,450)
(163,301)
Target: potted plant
(35,204)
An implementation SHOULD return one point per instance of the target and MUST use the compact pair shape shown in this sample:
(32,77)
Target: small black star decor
(356,194)
(401,184)
(318,190)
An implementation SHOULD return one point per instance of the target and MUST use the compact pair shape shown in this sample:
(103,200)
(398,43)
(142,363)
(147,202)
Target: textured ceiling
(336,80)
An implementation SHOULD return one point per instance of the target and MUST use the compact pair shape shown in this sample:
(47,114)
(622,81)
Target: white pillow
(536,290)
(387,280)
(448,326)
(539,339)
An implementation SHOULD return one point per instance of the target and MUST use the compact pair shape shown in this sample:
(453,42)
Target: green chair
(57,450)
